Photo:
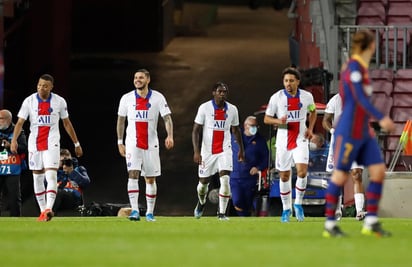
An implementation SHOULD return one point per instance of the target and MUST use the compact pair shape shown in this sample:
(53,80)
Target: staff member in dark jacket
(245,174)
(11,165)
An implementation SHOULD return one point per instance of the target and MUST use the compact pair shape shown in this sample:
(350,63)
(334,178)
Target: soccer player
(45,109)
(354,138)
(214,121)
(332,114)
(291,106)
(142,108)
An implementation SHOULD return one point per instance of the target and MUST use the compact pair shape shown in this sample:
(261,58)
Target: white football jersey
(142,118)
(216,136)
(334,106)
(44,120)
(296,108)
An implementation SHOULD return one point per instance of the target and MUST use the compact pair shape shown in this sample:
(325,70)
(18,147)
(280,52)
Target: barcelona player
(354,138)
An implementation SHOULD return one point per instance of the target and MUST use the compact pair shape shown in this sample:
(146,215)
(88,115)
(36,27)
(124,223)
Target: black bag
(103,209)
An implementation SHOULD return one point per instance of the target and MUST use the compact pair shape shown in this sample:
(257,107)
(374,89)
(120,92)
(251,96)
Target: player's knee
(224,185)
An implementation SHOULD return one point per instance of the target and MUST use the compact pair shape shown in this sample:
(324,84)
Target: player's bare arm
(169,142)
(327,121)
(17,130)
(196,143)
(68,126)
(312,120)
(120,132)
(238,136)
(274,121)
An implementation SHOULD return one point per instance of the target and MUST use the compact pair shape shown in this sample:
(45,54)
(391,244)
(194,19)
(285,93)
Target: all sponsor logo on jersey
(44,120)
(142,114)
(293,115)
(219,125)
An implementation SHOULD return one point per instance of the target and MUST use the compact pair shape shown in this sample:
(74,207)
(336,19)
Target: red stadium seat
(403,74)
(402,86)
(382,86)
(370,9)
(376,21)
(382,102)
(402,99)
(381,74)
(401,114)
(400,9)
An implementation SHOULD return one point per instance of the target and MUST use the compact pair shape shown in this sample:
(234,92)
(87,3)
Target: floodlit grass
(185,241)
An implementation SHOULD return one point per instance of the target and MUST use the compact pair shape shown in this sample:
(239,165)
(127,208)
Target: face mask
(312,146)
(3,127)
(252,130)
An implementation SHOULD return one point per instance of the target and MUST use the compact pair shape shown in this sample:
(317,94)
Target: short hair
(65,152)
(291,70)
(47,77)
(361,40)
(250,118)
(219,84)
(9,115)
(145,71)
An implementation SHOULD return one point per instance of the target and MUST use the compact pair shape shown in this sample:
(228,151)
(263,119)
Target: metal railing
(388,54)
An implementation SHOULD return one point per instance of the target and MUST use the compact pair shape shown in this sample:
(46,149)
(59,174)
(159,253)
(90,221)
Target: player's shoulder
(231,106)
(56,96)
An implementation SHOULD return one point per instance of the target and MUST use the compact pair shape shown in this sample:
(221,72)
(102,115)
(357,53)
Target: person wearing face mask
(11,164)
(245,174)
(318,152)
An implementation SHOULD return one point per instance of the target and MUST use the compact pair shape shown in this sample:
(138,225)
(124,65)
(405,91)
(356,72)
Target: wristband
(331,130)
(76,144)
(120,141)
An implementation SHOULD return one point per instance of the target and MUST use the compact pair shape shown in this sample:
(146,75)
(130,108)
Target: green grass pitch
(185,241)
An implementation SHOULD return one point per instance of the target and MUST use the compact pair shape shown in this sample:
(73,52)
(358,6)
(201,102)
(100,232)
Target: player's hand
(122,150)
(387,124)
(79,151)
(13,146)
(308,134)
(169,143)
(197,158)
(253,171)
(283,119)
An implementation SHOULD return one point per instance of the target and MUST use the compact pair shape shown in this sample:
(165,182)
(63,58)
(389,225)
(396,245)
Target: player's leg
(206,170)
(300,156)
(224,194)
(134,164)
(372,158)
(150,169)
(283,165)
(36,166)
(151,194)
(333,192)
(359,196)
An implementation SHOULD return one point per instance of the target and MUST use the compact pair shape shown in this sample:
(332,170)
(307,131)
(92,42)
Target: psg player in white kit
(45,109)
(291,106)
(211,139)
(142,108)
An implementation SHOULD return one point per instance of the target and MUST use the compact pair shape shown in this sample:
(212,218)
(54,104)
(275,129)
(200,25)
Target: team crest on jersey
(148,105)
(355,76)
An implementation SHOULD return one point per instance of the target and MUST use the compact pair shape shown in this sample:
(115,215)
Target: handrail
(382,38)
